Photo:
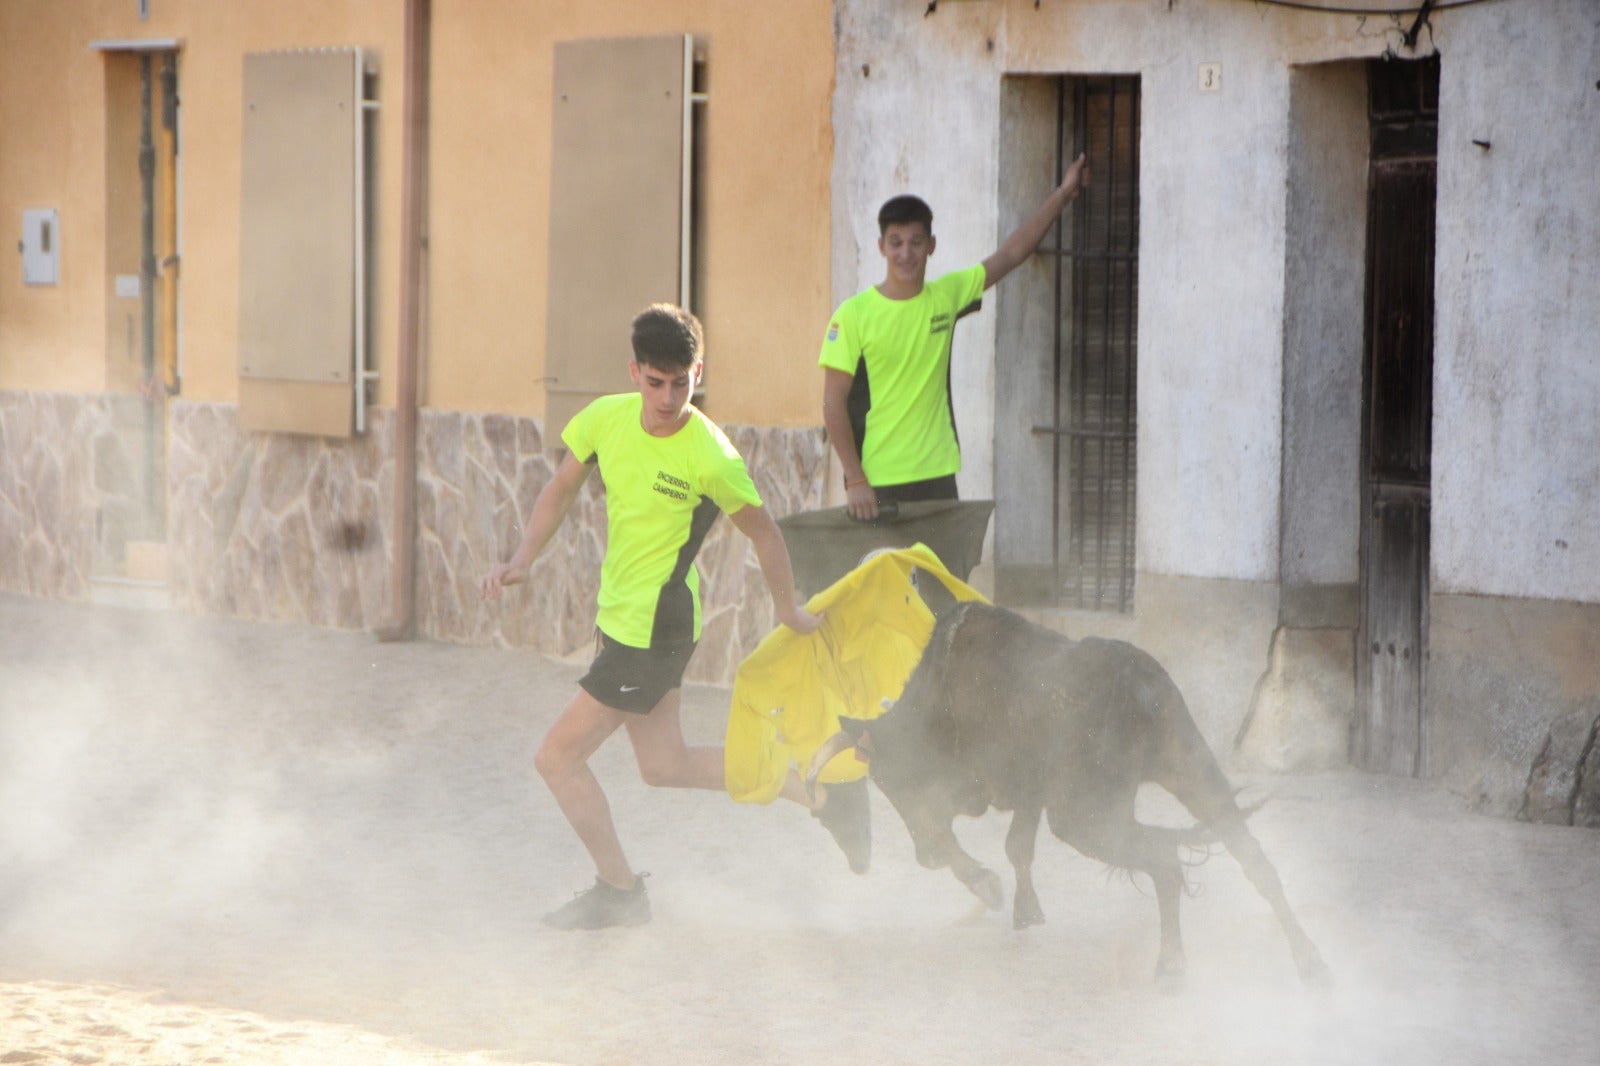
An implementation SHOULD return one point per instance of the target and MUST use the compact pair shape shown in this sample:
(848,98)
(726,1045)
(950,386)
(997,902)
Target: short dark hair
(906,208)
(667,337)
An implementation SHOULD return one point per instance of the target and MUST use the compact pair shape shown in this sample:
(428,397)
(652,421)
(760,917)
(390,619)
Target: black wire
(1411,9)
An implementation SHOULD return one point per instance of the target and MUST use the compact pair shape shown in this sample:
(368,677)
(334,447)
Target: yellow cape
(789,693)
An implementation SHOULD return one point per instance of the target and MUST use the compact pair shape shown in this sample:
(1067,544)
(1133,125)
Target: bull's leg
(938,847)
(1117,838)
(1171,963)
(979,879)
(1020,839)
(1193,776)
(942,849)
(1244,846)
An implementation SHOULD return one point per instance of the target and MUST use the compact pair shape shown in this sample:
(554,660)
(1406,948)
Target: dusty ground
(235,843)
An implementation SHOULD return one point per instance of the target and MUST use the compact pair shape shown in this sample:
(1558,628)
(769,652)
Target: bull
(1000,712)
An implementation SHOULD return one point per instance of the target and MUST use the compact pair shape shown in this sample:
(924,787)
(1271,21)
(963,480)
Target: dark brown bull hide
(1003,713)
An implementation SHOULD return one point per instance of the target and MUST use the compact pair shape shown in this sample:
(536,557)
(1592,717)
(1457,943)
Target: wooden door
(1390,730)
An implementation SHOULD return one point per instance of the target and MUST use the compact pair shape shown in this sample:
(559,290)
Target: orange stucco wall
(769,156)
(53,338)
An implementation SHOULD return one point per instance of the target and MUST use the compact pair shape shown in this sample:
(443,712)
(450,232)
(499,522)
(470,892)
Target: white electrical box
(41,246)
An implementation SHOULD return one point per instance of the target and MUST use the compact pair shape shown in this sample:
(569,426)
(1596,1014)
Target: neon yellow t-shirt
(662,495)
(904,346)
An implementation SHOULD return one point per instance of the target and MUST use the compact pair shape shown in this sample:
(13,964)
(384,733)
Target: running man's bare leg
(563,762)
(665,760)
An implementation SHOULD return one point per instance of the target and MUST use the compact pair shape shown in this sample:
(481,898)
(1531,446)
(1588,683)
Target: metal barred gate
(1095,342)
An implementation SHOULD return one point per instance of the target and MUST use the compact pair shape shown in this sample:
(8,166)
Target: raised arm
(1026,237)
(549,510)
(773,554)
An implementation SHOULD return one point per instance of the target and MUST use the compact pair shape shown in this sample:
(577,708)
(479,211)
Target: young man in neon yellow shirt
(668,471)
(886,356)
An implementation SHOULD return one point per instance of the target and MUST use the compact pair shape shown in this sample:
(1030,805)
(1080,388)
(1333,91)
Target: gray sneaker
(603,905)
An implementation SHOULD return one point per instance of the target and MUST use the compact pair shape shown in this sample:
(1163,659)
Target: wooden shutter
(618,145)
(298,250)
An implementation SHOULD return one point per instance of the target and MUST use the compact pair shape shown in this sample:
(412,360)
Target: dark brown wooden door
(1390,730)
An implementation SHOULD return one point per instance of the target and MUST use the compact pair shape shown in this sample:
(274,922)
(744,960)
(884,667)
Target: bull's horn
(831,747)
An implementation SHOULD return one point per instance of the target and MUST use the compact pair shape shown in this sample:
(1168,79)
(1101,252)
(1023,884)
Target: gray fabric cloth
(825,545)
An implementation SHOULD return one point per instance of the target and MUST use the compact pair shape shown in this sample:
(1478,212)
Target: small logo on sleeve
(833,331)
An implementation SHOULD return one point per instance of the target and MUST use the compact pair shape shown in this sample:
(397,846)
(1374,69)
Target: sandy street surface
(227,842)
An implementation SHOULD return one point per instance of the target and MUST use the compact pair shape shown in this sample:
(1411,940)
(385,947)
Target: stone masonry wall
(278,527)
(288,528)
(70,488)
(478,476)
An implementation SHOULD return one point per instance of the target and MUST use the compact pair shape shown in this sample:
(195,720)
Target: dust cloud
(227,841)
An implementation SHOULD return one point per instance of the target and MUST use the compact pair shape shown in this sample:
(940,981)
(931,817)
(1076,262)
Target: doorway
(141,339)
(1066,416)
(1390,731)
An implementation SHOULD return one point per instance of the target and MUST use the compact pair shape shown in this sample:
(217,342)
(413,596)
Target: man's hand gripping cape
(789,693)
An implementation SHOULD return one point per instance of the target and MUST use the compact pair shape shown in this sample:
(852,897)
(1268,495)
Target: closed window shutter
(618,142)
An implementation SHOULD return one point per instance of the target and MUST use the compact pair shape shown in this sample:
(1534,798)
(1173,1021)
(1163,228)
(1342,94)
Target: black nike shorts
(935,488)
(634,679)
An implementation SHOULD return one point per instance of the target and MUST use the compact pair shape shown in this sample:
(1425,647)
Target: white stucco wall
(1516,428)
(1210,320)
(1324,285)
(1516,444)
(916,112)
(1211,308)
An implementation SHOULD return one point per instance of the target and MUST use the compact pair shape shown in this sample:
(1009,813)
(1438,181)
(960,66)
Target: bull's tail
(1212,830)
(1217,826)
(1186,767)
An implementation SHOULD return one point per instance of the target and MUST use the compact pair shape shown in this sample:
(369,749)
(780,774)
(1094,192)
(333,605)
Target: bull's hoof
(1171,976)
(985,884)
(1021,919)
(1314,973)
(1025,911)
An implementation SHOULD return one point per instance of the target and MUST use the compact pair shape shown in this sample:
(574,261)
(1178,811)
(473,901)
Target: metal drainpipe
(413,242)
(147,307)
